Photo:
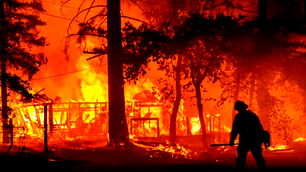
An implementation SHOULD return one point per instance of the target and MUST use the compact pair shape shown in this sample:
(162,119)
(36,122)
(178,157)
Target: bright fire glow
(278,147)
(300,139)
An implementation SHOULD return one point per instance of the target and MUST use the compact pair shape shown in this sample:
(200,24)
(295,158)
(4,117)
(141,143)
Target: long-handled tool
(225,144)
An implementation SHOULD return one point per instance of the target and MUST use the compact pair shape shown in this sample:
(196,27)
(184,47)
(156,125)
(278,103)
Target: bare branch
(95,52)
(93,57)
(132,18)
(89,9)
(80,12)
(78,34)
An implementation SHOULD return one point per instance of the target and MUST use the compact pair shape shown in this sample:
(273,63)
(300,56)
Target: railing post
(157,128)
(45,128)
(51,118)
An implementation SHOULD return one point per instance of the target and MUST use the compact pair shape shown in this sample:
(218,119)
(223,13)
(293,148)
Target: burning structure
(65,122)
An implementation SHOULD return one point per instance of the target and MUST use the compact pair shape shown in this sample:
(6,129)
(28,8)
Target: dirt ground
(140,159)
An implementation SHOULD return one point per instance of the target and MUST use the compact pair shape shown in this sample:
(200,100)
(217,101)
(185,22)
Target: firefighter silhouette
(251,135)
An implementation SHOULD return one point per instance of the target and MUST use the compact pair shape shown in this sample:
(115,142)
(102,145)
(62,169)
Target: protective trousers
(256,151)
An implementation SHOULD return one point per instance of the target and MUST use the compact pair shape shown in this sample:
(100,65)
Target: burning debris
(156,150)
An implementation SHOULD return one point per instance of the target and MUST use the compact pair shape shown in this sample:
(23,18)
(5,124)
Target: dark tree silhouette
(173,19)
(18,37)
(118,130)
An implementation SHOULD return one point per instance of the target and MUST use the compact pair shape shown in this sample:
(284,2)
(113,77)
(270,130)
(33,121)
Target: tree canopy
(20,43)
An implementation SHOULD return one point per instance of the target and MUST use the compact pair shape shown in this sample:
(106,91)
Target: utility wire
(59,4)
(67,73)
(52,15)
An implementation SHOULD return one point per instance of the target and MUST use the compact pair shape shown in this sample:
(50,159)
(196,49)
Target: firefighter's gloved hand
(267,145)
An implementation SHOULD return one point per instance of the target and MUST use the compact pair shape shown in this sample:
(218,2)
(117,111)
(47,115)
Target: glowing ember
(279,147)
(177,151)
(301,139)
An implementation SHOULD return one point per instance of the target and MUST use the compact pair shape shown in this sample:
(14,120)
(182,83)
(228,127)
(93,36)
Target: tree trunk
(263,9)
(304,101)
(252,89)
(266,104)
(200,112)
(4,101)
(177,101)
(188,132)
(118,130)
(4,107)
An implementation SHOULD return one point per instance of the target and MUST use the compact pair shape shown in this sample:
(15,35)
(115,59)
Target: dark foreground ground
(143,160)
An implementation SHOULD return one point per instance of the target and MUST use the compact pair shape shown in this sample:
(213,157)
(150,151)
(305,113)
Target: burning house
(88,121)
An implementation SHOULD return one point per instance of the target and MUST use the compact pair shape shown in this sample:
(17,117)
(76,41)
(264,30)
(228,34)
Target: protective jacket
(249,128)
